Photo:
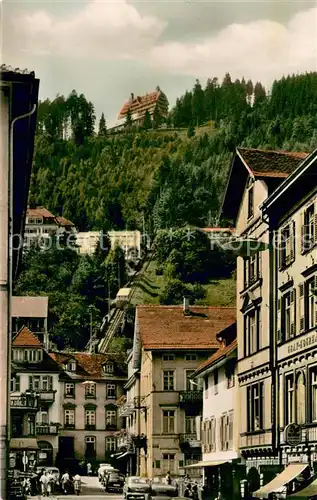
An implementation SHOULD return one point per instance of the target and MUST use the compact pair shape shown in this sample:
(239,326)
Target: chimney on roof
(132,97)
(186,309)
(158,89)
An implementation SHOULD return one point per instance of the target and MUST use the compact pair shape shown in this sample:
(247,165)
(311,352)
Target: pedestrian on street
(77,484)
(44,484)
(89,469)
(50,483)
(168,478)
(65,482)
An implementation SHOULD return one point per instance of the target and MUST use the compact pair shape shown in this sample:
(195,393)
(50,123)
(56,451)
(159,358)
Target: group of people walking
(49,483)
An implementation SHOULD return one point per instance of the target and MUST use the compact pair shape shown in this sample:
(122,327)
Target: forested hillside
(170,179)
(151,179)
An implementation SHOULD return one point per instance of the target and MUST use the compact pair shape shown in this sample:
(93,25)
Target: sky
(109,49)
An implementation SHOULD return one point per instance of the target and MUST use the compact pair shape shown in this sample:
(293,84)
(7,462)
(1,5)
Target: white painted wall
(215,405)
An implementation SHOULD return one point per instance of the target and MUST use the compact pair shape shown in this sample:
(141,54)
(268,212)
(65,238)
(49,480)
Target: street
(91,489)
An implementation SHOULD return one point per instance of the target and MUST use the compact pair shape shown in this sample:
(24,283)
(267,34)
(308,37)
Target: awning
(307,492)
(23,444)
(278,483)
(207,464)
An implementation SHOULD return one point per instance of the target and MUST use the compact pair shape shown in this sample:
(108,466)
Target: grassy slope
(219,292)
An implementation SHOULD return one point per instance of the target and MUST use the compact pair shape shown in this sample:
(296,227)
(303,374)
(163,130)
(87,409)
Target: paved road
(91,489)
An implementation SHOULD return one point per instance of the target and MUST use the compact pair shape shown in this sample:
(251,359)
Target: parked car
(137,487)
(161,490)
(114,481)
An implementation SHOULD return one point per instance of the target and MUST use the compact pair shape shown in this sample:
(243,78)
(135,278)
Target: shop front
(23,454)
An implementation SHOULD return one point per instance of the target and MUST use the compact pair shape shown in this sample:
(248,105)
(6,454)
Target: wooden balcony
(47,429)
(190,397)
(24,402)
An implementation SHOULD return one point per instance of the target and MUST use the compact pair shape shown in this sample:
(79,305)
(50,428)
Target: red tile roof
(25,338)
(221,353)
(39,212)
(62,221)
(89,365)
(267,163)
(166,327)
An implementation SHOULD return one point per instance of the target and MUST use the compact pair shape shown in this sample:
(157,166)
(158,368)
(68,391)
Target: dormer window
(109,368)
(71,366)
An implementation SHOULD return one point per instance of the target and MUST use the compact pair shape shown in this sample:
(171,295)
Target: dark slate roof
(268,163)
(272,166)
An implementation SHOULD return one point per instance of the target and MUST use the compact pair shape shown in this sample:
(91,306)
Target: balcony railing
(126,409)
(24,402)
(189,440)
(124,440)
(191,397)
(47,397)
(47,429)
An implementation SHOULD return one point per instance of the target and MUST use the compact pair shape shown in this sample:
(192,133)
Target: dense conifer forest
(150,179)
(167,178)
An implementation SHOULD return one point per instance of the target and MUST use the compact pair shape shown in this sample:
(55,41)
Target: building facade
(169,344)
(153,102)
(90,387)
(129,241)
(292,214)
(41,223)
(220,418)
(35,400)
(254,176)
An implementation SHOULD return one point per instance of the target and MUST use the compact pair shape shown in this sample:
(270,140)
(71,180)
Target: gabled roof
(40,212)
(61,221)
(268,163)
(222,353)
(167,327)
(25,338)
(89,365)
(272,166)
(301,181)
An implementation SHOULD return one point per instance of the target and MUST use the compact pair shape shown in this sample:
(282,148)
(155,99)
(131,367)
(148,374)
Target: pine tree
(198,103)
(128,119)
(191,130)
(102,126)
(147,123)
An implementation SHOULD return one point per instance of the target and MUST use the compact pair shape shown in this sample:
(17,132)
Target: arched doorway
(45,453)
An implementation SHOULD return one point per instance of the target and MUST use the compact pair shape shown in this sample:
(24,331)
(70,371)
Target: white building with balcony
(35,378)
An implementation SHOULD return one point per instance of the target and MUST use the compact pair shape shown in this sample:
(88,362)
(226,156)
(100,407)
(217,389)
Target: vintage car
(114,481)
(162,490)
(137,487)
